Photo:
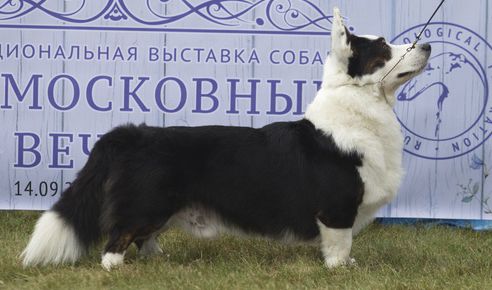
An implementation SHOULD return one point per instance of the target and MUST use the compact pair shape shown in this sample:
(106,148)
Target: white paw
(351,262)
(111,260)
(150,248)
(333,262)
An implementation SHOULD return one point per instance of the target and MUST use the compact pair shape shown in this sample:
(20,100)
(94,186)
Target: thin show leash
(414,44)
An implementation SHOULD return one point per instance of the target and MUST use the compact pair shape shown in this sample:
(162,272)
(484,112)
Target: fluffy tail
(53,241)
(65,232)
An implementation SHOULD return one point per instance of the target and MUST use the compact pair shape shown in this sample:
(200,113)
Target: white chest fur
(360,120)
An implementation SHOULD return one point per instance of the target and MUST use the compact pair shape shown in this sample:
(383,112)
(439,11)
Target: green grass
(389,257)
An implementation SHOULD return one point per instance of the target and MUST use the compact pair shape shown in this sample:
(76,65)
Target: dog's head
(364,60)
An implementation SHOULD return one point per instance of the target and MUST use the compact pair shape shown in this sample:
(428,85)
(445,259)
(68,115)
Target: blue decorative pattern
(115,13)
(292,15)
(276,15)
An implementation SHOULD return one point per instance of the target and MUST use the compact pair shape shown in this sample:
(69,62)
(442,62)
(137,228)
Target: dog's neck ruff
(376,88)
(380,87)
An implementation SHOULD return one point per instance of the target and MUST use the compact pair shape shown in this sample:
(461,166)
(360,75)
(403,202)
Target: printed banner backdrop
(72,70)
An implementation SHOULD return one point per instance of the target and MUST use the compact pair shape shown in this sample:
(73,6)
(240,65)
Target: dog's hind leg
(149,246)
(120,240)
(114,251)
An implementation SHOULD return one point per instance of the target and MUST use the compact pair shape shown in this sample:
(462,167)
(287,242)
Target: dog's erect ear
(340,46)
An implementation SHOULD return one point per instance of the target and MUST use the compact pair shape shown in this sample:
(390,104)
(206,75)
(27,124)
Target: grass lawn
(389,257)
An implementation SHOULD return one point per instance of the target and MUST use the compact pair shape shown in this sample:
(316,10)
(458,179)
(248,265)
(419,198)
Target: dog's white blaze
(53,241)
(335,245)
(111,260)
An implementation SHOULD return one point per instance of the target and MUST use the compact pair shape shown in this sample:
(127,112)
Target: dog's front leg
(336,245)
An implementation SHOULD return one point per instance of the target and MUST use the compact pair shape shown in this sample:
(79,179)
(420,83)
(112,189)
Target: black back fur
(282,177)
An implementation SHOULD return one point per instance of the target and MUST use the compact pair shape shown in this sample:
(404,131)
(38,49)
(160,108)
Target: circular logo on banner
(445,112)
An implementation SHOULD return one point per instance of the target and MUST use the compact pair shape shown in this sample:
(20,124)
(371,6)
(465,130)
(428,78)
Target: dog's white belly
(202,222)
(205,223)
(198,221)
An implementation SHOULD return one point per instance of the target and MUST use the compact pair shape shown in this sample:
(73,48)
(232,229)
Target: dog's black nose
(425,47)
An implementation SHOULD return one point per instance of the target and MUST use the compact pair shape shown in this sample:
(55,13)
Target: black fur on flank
(282,177)
(367,54)
(81,204)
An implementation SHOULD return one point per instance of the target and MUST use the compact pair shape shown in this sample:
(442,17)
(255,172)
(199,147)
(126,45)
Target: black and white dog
(318,179)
